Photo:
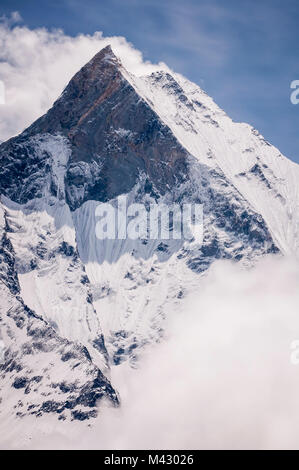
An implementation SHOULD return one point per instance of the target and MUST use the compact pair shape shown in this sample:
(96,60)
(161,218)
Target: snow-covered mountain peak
(153,138)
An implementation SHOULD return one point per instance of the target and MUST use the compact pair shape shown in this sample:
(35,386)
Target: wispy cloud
(35,66)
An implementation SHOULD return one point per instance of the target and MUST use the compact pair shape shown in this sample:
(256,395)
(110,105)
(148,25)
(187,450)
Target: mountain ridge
(152,138)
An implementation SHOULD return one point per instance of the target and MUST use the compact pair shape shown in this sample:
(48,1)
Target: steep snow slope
(264,177)
(48,265)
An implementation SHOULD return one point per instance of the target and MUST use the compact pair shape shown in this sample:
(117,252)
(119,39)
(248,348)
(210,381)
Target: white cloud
(35,66)
(222,378)
(11,20)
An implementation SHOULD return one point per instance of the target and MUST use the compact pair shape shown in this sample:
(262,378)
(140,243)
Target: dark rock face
(113,134)
(8,273)
(24,169)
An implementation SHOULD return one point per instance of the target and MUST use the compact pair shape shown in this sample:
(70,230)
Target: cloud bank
(36,65)
(222,379)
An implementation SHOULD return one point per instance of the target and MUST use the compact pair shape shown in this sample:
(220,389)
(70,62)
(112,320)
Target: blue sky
(244,53)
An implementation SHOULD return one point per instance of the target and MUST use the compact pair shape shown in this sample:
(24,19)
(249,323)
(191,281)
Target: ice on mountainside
(41,370)
(67,294)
